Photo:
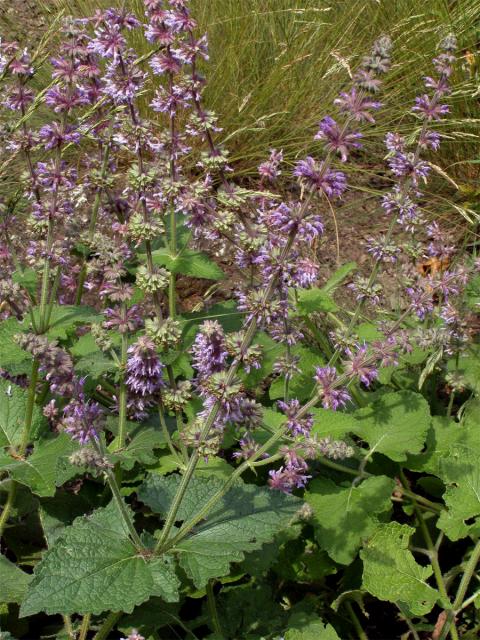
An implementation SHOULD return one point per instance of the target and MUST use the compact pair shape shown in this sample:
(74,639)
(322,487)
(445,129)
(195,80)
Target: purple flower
(209,351)
(357,105)
(429,108)
(316,176)
(109,42)
(359,366)
(338,139)
(123,83)
(269,169)
(429,140)
(54,135)
(420,301)
(332,396)
(296,426)
(123,322)
(408,166)
(287,478)
(395,142)
(82,419)
(18,98)
(64,99)
(144,369)
(305,272)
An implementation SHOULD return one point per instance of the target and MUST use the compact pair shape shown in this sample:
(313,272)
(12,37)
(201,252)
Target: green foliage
(12,358)
(189,263)
(395,424)
(345,516)
(391,573)
(13,403)
(243,520)
(14,582)
(302,626)
(93,567)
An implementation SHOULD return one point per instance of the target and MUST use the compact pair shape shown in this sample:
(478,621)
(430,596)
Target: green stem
(67,623)
(210,419)
(165,431)
(462,590)
(433,556)
(7,507)
(172,293)
(433,506)
(212,610)
(107,626)
(32,389)
(46,277)
(93,217)
(24,443)
(450,403)
(85,627)
(356,622)
(115,489)
(122,393)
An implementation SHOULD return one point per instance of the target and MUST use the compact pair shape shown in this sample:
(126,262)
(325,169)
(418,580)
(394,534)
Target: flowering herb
(287,416)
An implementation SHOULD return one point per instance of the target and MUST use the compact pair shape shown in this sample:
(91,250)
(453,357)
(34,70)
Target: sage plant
(183,442)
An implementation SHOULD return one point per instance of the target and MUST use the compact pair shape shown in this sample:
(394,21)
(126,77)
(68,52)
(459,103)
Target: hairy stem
(85,627)
(7,507)
(93,219)
(462,590)
(212,610)
(110,621)
(122,392)
(356,622)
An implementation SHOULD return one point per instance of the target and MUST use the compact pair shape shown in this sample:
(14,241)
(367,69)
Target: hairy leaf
(335,424)
(13,582)
(141,448)
(65,318)
(40,470)
(12,358)
(244,519)
(391,573)
(314,300)
(395,424)
(189,263)
(344,516)
(13,405)
(94,567)
(304,626)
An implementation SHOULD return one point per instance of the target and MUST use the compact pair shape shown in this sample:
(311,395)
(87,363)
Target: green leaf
(339,276)
(461,472)
(314,300)
(305,626)
(141,448)
(59,512)
(271,352)
(244,519)
(189,263)
(13,404)
(301,384)
(344,516)
(94,567)
(65,318)
(91,360)
(336,424)
(468,367)
(41,470)
(390,572)
(395,424)
(12,358)
(443,436)
(28,279)
(13,582)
